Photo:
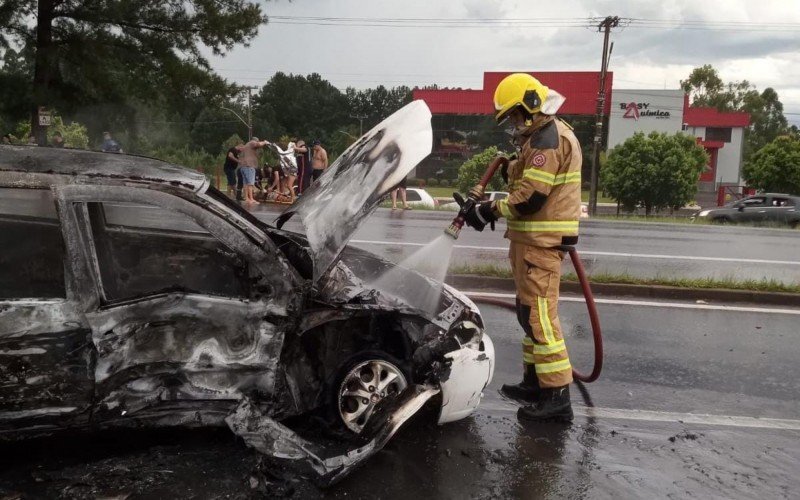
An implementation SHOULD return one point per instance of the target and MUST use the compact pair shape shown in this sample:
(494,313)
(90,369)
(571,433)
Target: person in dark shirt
(109,144)
(303,165)
(231,164)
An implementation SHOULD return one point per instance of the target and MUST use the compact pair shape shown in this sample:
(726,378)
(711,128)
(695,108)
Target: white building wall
(729,159)
(729,156)
(657,110)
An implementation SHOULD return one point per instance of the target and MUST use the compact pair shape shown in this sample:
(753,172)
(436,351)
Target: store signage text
(637,110)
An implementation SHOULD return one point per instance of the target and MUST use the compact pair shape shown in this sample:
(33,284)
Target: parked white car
(419,198)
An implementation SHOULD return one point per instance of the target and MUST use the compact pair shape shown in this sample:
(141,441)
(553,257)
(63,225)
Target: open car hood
(353,186)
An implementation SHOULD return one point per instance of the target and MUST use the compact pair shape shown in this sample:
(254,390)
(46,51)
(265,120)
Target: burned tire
(361,383)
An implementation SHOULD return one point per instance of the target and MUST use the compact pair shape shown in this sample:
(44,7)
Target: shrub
(433,182)
(473,169)
(655,171)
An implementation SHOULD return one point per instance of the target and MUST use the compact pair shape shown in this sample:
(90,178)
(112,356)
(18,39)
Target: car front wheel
(363,383)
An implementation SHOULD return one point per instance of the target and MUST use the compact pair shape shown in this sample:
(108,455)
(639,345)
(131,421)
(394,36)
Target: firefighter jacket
(544,202)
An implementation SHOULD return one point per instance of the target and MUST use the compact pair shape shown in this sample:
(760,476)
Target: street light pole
(246,123)
(606,25)
(249,122)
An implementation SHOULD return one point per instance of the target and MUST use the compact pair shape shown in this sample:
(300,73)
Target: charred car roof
(34,159)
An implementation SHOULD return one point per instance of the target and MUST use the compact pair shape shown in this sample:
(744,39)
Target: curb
(488,283)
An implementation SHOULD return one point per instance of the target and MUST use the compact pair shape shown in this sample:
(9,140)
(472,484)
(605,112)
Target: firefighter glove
(476,215)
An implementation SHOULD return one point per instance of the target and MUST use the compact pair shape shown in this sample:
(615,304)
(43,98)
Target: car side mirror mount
(740,206)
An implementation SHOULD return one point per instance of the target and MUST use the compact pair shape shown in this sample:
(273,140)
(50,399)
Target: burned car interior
(134,294)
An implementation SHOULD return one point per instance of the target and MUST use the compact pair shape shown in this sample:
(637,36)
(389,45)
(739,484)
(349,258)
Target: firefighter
(542,212)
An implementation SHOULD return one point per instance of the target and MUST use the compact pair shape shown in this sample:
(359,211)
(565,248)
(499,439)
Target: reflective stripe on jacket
(549,165)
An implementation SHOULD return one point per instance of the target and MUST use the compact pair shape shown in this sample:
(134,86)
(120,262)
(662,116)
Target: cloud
(643,57)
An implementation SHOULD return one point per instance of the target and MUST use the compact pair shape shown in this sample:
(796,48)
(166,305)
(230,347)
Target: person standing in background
(401,186)
(303,165)
(319,159)
(248,163)
(109,144)
(230,166)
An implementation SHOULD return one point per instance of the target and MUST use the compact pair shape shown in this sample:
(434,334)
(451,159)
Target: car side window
(780,202)
(754,202)
(413,196)
(145,250)
(500,196)
(32,255)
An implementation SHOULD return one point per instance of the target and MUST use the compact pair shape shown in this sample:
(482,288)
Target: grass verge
(495,271)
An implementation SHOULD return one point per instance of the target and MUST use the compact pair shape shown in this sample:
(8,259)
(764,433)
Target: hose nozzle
(454,229)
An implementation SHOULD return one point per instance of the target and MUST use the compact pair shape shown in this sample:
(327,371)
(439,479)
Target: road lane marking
(663,416)
(602,254)
(647,303)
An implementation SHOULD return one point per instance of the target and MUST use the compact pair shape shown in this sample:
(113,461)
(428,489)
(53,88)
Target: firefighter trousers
(537,274)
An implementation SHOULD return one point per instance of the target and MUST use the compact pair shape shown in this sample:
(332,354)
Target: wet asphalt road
(608,247)
(692,403)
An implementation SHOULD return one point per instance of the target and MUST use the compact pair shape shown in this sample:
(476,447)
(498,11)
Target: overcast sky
(759,41)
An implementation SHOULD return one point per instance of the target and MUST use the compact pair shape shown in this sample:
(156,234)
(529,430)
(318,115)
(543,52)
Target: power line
(547,22)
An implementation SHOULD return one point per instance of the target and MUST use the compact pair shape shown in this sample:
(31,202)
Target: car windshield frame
(218,196)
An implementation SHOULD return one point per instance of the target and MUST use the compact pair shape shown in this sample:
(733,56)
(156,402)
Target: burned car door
(189,311)
(46,378)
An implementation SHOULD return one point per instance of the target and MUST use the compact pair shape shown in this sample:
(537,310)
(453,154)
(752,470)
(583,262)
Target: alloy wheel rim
(366,385)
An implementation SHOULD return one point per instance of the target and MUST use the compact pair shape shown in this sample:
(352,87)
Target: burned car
(134,294)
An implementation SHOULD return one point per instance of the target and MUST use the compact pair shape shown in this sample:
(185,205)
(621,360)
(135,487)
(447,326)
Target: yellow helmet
(519,89)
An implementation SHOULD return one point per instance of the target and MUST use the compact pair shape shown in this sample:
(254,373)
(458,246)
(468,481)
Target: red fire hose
(590,305)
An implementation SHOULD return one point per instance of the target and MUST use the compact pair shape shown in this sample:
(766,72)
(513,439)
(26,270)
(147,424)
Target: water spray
(474,196)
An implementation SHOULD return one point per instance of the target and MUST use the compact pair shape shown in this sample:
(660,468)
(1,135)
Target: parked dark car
(766,209)
(133,293)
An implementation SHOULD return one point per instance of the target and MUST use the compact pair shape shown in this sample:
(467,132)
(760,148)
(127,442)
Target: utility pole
(605,26)
(249,116)
(360,119)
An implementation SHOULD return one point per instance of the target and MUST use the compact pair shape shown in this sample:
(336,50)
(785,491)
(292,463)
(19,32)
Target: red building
(663,110)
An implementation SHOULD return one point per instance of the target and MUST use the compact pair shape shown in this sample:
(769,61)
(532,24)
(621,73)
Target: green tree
(767,121)
(473,169)
(371,106)
(88,52)
(656,171)
(307,107)
(775,167)
(704,86)
(15,70)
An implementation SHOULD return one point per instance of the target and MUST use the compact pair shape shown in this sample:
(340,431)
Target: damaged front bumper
(471,370)
(329,464)
(463,376)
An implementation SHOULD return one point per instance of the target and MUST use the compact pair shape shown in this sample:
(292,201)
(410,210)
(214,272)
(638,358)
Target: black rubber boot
(553,406)
(526,391)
